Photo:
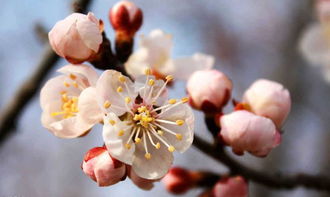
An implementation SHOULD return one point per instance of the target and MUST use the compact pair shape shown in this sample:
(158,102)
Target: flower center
(143,117)
(69,106)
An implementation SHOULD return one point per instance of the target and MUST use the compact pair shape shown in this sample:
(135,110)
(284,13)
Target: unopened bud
(178,180)
(76,38)
(209,90)
(126,18)
(102,168)
(231,186)
(269,99)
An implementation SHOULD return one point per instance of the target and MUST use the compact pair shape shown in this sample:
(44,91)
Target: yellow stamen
(66,84)
(121,133)
(63,92)
(178,136)
(185,99)
(73,77)
(112,122)
(147,156)
(75,84)
(137,140)
(179,122)
(160,132)
(147,71)
(172,101)
(169,78)
(128,146)
(122,79)
(151,82)
(119,89)
(157,145)
(142,109)
(128,99)
(171,149)
(106,104)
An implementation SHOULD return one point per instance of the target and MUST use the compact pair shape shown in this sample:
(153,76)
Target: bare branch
(276,180)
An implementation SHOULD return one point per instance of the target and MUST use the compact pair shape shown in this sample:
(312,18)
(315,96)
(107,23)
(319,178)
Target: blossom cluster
(142,127)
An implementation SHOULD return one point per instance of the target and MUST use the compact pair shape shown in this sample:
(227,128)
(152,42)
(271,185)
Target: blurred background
(250,39)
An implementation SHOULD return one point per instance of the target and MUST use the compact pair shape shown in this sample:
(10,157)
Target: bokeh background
(250,39)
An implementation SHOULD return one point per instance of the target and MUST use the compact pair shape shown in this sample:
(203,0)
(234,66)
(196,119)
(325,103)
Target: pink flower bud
(178,180)
(126,18)
(209,90)
(269,99)
(76,38)
(231,187)
(244,131)
(323,10)
(102,168)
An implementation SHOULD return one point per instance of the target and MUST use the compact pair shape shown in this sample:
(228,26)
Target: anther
(73,77)
(147,156)
(112,122)
(171,149)
(75,84)
(66,84)
(169,78)
(179,122)
(147,71)
(157,145)
(151,82)
(137,140)
(119,89)
(178,136)
(128,146)
(106,104)
(185,99)
(128,99)
(121,133)
(122,79)
(172,101)
(160,132)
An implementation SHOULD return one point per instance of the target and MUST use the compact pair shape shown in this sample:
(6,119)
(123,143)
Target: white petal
(314,45)
(89,110)
(181,112)
(106,88)
(137,63)
(115,143)
(141,182)
(144,90)
(157,42)
(90,33)
(154,168)
(52,90)
(182,68)
(82,70)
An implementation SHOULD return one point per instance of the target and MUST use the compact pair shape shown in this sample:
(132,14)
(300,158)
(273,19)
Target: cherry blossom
(155,52)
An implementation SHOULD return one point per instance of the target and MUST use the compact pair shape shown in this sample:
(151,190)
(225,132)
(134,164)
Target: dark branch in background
(276,180)
(12,111)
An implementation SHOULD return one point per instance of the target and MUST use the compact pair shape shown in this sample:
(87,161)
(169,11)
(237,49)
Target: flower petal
(115,143)
(137,63)
(82,70)
(182,68)
(141,86)
(89,32)
(142,183)
(154,168)
(181,112)
(107,91)
(89,110)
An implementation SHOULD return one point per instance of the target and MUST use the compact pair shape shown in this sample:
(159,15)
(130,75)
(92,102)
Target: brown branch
(11,113)
(275,180)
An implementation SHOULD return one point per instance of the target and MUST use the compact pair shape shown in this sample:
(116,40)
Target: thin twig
(275,180)
(11,113)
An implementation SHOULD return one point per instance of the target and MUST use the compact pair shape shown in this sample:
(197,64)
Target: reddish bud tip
(178,180)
